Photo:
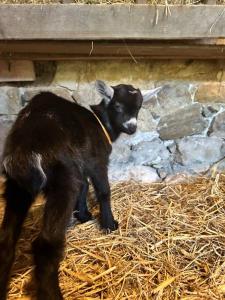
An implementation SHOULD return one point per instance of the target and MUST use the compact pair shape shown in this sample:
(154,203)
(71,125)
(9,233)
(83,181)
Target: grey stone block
(146,122)
(218,125)
(137,157)
(138,137)
(209,111)
(182,122)
(131,172)
(199,153)
(10,102)
(153,153)
(175,94)
(211,92)
(5,125)
(28,93)
(120,153)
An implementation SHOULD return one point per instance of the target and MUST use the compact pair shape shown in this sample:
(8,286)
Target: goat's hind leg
(48,247)
(18,202)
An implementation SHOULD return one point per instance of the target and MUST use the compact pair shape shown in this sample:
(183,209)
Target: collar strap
(103,128)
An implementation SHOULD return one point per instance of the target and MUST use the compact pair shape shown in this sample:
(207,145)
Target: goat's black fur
(54,147)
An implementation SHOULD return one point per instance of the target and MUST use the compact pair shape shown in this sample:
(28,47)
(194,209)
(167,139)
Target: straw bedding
(170,245)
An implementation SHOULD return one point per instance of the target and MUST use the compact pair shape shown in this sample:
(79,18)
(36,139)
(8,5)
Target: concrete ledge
(113,22)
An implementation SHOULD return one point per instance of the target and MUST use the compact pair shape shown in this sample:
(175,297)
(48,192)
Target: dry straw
(170,245)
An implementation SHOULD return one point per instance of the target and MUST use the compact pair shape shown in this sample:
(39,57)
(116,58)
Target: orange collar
(103,128)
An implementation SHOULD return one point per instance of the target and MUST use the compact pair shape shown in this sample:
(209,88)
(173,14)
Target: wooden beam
(88,50)
(22,70)
(114,22)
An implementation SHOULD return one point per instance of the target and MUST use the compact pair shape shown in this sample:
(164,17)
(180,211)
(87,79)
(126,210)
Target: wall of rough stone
(181,131)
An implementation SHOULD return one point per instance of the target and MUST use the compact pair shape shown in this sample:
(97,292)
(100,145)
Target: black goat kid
(54,147)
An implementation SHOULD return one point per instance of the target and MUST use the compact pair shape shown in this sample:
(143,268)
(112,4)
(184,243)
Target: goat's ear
(148,94)
(104,90)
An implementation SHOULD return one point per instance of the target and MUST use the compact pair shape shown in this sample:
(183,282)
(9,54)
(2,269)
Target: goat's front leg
(81,211)
(102,190)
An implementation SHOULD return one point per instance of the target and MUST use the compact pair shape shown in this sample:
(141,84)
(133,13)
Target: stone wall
(181,131)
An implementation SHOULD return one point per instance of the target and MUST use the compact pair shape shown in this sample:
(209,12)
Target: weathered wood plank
(22,70)
(210,2)
(59,50)
(141,1)
(97,22)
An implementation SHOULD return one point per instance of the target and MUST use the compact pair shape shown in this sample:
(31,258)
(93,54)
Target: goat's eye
(118,107)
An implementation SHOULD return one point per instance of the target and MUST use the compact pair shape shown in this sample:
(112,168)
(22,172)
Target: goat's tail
(27,170)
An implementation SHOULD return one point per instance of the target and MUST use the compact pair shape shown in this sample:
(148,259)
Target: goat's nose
(130,125)
(132,128)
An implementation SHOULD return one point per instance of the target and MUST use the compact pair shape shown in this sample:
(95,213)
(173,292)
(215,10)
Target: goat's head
(122,104)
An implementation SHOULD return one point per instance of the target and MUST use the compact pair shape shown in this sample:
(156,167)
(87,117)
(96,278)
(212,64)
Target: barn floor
(170,245)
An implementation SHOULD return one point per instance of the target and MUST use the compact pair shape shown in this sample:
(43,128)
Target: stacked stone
(181,131)
(187,136)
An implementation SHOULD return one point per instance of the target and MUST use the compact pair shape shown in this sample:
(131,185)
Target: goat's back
(49,124)
(50,129)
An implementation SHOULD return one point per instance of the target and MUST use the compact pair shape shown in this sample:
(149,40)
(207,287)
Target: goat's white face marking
(132,121)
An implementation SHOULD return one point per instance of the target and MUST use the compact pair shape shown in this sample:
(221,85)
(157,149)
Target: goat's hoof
(82,218)
(110,226)
(52,294)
